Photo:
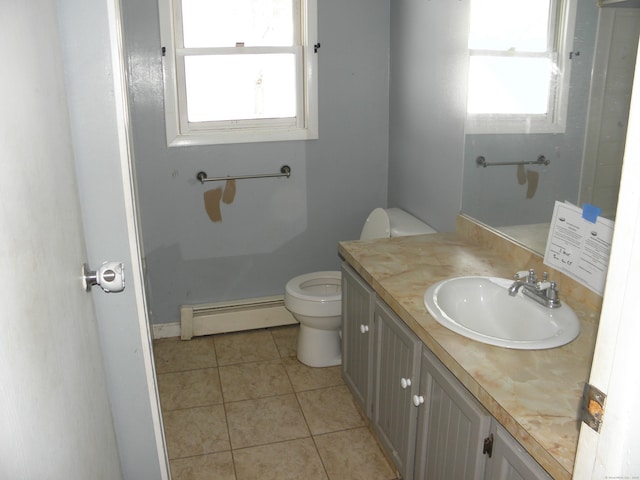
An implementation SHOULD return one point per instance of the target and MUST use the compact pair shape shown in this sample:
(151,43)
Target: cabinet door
(396,377)
(452,426)
(357,336)
(509,461)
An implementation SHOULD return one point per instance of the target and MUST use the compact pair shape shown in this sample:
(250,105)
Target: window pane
(520,25)
(508,85)
(225,23)
(236,87)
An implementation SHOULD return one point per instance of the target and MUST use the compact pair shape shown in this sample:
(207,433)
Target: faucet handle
(528,275)
(544,285)
(551,288)
(551,293)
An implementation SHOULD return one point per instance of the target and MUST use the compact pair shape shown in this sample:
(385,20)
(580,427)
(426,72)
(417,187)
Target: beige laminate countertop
(534,394)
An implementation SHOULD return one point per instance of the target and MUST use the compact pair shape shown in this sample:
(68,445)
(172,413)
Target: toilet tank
(392,222)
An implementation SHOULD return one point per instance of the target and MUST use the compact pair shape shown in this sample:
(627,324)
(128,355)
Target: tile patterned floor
(240,406)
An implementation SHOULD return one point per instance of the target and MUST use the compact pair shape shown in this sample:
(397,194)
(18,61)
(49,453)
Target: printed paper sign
(579,245)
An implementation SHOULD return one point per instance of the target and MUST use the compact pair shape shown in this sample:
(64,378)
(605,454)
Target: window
(519,65)
(239,71)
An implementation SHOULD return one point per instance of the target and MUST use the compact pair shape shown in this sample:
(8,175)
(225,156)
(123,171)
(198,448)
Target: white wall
(55,418)
(275,228)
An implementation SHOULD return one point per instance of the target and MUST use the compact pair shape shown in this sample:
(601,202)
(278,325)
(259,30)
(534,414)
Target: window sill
(239,136)
(490,126)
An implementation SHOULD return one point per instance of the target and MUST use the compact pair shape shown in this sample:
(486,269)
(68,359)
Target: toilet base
(319,348)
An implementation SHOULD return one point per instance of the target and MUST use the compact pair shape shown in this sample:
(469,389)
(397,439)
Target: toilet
(315,299)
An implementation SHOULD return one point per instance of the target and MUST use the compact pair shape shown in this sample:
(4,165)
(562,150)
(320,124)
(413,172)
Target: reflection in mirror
(585,153)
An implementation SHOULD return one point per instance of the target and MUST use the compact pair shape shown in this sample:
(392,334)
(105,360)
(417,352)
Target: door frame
(133,226)
(615,450)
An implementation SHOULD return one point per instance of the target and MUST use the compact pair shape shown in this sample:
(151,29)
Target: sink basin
(480,308)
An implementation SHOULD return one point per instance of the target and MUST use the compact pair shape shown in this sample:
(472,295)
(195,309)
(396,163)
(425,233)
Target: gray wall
(275,228)
(427,108)
(392,81)
(493,194)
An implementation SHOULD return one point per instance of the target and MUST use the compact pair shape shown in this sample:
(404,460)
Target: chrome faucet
(543,292)
(529,277)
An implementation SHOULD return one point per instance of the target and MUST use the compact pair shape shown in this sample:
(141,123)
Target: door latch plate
(592,410)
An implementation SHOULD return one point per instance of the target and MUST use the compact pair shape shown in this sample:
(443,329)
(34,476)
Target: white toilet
(315,299)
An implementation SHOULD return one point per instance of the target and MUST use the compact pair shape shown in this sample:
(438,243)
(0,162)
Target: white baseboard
(166,330)
(225,317)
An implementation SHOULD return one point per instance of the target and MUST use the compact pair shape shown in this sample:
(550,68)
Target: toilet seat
(315,299)
(315,294)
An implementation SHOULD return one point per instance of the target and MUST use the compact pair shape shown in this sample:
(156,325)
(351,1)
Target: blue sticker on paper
(591,212)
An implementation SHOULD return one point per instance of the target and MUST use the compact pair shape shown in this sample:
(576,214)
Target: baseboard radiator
(235,316)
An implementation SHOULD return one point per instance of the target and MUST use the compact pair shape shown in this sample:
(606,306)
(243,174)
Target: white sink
(480,308)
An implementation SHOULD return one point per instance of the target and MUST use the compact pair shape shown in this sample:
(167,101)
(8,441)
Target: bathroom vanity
(515,412)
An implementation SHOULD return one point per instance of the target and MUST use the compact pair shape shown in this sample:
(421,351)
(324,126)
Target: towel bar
(285,171)
(541,160)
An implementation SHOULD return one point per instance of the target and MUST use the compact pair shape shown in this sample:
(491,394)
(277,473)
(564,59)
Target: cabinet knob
(418,400)
(405,382)
(364,328)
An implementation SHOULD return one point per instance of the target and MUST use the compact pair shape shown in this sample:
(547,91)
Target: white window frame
(180,132)
(561,40)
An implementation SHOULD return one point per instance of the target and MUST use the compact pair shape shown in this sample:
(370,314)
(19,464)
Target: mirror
(585,160)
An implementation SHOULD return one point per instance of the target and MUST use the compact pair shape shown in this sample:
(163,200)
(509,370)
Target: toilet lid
(376,226)
(403,224)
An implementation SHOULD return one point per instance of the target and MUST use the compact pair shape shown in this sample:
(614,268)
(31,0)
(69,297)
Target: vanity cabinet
(396,380)
(429,424)
(357,337)
(509,461)
(452,426)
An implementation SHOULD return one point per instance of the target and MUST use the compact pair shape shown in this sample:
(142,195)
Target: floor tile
(263,429)
(265,420)
(353,455)
(196,431)
(329,410)
(245,381)
(175,355)
(192,388)
(286,339)
(309,378)
(214,466)
(291,460)
(251,346)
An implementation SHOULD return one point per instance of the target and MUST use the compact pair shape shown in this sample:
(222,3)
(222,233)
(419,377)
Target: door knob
(110,277)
